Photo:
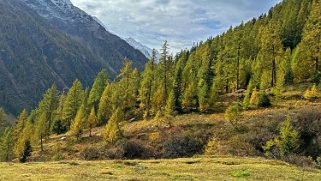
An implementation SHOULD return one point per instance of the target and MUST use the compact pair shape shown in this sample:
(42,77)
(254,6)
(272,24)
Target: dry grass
(199,168)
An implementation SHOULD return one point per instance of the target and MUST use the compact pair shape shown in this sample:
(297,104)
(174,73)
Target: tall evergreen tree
(126,90)
(112,132)
(286,73)
(2,120)
(163,72)
(41,128)
(20,125)
(91,121)
(58,125)
(45,114)
(97,89)
(23,142)
(6,145)
(170,108)
(147,86)
(73,102)
(164,65)
(178,88)
(105,107)
(310,52)
(77,125)
(203,97)
(271,49)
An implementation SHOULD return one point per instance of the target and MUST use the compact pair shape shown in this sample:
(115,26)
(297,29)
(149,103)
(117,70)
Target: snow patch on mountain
(62,10)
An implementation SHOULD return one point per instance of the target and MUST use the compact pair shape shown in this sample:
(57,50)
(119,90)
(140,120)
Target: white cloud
(181,22)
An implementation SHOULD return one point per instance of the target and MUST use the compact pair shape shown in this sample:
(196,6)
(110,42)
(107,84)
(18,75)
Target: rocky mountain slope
(59,46)
(79,25)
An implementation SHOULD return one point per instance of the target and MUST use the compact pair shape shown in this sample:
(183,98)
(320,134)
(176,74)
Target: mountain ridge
(34,54)
(144,49)
(85,28)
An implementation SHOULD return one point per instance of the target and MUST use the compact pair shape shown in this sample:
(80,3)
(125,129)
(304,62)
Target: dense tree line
(276,49)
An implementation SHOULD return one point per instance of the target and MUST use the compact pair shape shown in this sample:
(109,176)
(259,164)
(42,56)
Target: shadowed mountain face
(35,53)
(86,29)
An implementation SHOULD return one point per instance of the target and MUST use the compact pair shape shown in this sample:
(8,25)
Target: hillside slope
(34,54)
(86,29)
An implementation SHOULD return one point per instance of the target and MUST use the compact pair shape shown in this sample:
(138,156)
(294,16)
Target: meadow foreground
(198,168)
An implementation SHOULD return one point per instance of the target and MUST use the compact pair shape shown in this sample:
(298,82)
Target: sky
(181,22)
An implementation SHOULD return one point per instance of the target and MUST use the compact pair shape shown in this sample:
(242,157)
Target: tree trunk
(149,98)
(226,86)
(238,68)
(41,142)
(273,81)
(90,131)
(165,77)
(316,64)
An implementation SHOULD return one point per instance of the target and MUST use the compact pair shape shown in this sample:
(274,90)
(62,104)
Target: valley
(78,102)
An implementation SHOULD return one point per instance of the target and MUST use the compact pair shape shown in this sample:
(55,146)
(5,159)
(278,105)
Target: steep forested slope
(278,48)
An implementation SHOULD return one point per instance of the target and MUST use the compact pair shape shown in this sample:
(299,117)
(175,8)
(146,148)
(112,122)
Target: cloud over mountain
(180,22)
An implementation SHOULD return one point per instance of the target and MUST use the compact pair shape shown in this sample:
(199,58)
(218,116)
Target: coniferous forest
(262,79)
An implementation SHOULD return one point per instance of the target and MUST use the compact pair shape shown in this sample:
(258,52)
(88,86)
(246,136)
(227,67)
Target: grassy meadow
(198,168)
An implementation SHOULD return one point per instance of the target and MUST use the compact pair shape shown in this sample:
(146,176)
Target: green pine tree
(147,86)
(112,132)
(310,53)
(6,145)
(170,109)
(91,121)
(77,125)
(97,89)
(73,102)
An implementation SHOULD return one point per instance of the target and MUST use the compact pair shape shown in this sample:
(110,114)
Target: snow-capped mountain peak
(101,23)
(63,11)
(142,48)
(68,2)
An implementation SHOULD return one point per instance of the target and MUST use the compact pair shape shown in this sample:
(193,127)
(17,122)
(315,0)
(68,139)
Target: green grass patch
(241,174)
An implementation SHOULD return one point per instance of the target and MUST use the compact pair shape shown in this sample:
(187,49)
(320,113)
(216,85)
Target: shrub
(57,157)
(308,123)
(315,77)
(264,100)
(260,99)
(125,149)
(318,164)
(311,93)
(247,98)
(211,146)
(112,153)
(91,153)
(237,145)
(26,152)
(301,161)
(134,149)
(287,142)
(183,146)
(233,114)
